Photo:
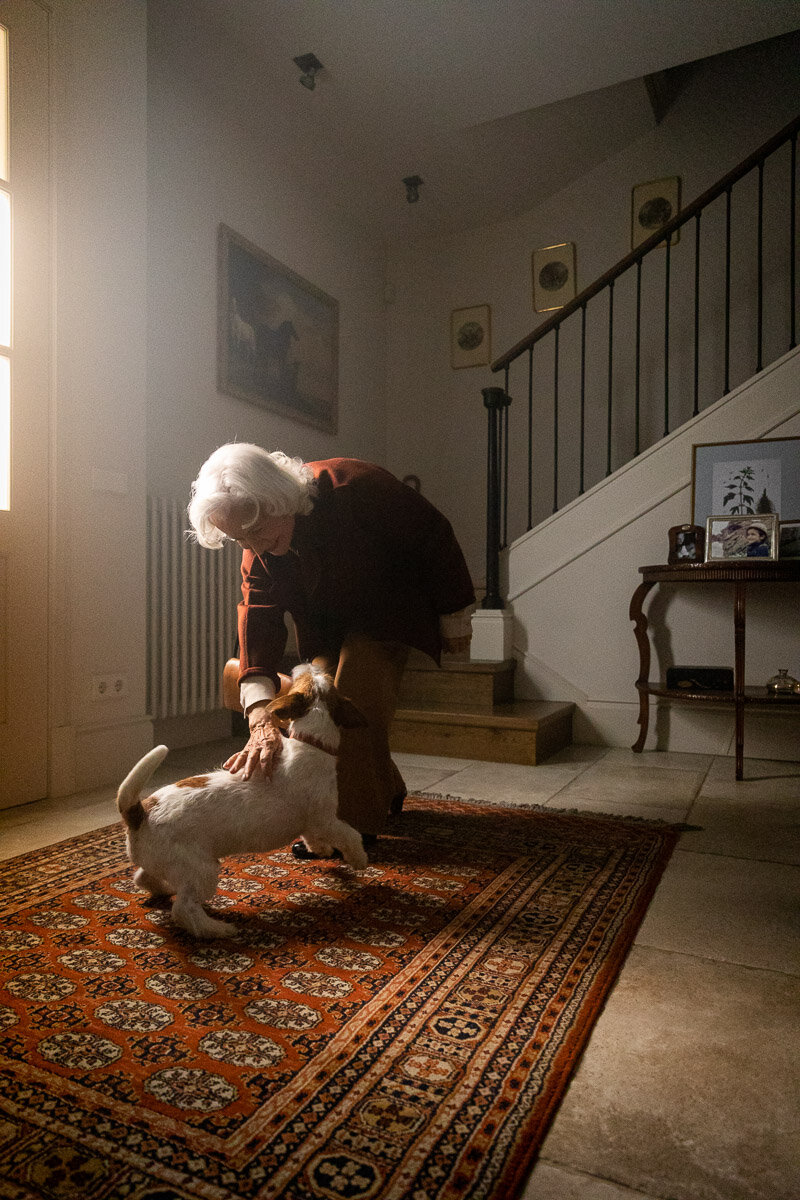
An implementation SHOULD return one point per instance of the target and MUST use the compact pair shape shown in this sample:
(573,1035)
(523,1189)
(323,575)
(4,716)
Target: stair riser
(445,690)
(421,688)
(527,747)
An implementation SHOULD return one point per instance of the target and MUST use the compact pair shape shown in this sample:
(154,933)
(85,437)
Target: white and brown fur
(177,835)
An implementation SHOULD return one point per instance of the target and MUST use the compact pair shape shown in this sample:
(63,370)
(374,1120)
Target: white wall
(436,421)
(150,155)
(220,151)
(152,150)
(98,451)
(571,579)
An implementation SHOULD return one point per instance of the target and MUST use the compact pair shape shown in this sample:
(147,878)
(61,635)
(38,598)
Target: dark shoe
(300,850)
(396,806)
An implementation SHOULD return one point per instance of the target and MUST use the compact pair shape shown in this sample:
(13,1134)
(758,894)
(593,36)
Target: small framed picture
(742,538)
(789,539)
(686,544)
(471,336)
(652,205)
(553,269)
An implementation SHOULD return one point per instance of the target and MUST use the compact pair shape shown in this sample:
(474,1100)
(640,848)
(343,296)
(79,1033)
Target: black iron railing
(690,368)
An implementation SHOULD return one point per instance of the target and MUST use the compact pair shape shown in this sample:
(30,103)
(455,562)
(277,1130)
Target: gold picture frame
(471,336)
(730,539)
(553,271)
(652,205)
(744,478)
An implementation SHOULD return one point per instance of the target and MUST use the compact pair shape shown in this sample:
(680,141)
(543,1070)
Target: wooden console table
(740,574)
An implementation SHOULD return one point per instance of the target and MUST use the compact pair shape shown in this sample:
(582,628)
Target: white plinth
(491,635)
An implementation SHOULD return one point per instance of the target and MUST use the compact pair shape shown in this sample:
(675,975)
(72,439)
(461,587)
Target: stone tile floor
(690,1086)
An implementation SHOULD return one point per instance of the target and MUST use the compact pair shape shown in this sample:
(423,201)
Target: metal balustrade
(629,404)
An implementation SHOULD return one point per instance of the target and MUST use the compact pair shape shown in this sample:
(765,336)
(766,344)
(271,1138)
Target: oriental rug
(404,1034)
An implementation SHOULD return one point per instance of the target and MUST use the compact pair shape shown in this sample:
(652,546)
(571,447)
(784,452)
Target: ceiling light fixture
(309,66)
(412,183)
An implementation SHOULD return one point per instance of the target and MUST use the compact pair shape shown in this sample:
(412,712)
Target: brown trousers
(368,672)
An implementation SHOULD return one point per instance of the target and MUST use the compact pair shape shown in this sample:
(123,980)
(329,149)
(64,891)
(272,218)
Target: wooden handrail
(686,214)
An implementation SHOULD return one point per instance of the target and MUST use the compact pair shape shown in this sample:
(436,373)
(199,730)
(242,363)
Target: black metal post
(727,291)
(609,421)
(760,271)
(496,401)
(696,408)
(666,333)
(793,245)
(530,438)
(555,419)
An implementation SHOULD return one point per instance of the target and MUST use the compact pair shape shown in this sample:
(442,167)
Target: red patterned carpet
(404,1034)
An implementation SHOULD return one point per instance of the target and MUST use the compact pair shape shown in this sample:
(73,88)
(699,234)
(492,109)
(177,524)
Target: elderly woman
(365,566)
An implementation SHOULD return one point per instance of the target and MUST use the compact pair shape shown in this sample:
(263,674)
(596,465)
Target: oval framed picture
(652,205)
(470,336)
(553,269)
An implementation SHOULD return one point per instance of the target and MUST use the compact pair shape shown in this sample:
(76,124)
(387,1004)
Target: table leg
(643,642)
(738,672)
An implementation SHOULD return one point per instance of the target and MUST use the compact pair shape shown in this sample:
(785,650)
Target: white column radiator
(192,597)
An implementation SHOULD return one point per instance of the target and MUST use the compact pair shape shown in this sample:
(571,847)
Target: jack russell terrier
(177,836)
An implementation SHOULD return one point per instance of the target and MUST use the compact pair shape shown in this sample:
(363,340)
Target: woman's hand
(456,630)
(262,750)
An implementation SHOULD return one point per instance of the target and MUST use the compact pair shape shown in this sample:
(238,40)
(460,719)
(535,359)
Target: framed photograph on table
(789,539)
(750,539)
(740,479)
(686,544)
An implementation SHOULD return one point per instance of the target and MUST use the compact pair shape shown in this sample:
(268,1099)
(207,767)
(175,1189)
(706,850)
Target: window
(5,281)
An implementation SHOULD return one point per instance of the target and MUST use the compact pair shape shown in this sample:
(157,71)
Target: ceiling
(495,103)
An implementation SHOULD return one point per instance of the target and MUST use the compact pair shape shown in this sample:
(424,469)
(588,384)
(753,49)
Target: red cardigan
(372,557)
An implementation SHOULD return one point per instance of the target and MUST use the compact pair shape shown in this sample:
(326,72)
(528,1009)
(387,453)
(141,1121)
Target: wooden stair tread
(516,714)
(421,662)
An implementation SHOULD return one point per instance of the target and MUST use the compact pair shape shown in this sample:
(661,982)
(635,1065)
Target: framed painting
(553,270)
(277,336)
(470,336)
(740,479)
(652,205)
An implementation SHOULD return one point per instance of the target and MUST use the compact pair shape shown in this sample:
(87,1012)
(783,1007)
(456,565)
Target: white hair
(266,484)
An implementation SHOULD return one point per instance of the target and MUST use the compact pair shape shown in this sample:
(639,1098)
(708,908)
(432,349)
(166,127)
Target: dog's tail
(130,790)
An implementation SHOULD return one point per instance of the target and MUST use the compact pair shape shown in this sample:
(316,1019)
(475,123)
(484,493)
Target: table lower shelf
(752,695)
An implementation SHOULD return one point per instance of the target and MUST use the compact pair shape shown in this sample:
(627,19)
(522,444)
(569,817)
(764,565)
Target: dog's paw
(357,860)
(222,929)
(319,848)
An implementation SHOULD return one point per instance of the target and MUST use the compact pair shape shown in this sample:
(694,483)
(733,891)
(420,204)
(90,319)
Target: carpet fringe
(654,823)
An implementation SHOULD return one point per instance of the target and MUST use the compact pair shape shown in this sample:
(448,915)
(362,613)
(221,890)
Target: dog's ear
(344,712)
(291,706)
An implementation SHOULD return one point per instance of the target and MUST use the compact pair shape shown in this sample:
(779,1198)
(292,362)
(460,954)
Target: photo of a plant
(746,479)
(743,488)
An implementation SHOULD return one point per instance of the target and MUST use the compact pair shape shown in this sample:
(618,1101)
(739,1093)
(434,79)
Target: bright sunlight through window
(5,283)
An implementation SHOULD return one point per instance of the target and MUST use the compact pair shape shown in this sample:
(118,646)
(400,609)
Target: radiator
(192,595)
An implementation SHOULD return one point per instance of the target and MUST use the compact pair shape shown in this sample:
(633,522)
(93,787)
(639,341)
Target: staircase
(466,710)
(462,709)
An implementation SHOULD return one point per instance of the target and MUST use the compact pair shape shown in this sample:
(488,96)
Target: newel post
(495,400)
(492,622)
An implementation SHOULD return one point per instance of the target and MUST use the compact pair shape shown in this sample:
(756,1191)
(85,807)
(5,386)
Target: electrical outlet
(109,687)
